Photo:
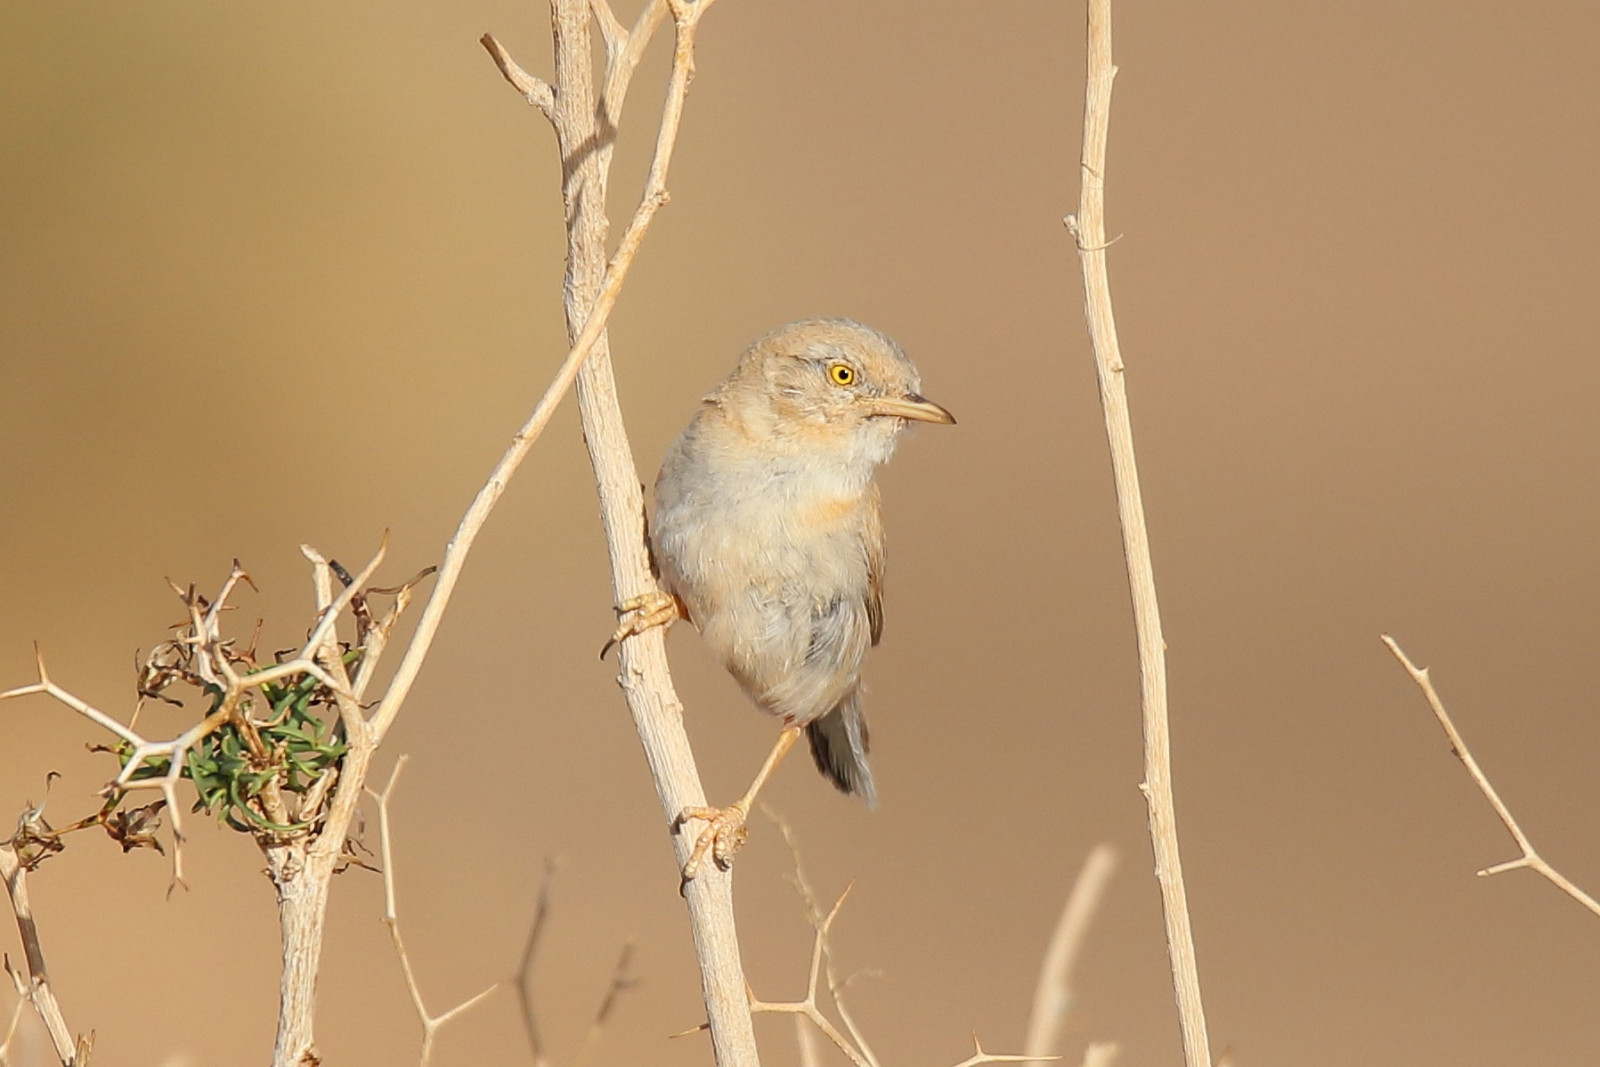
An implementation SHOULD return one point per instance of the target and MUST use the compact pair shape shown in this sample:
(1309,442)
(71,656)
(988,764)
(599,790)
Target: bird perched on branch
(768,537)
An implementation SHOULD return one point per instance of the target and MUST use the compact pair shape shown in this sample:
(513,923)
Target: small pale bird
(768,537)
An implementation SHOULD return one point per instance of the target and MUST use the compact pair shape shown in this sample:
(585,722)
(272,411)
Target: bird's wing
(872,544)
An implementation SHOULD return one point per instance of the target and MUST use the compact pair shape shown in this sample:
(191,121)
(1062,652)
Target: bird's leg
(640,613)
(726,833)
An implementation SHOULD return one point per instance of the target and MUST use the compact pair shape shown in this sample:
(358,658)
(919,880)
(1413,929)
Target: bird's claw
(642,612)
(723,837)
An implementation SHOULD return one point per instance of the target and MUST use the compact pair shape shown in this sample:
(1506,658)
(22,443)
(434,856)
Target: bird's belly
(778,593)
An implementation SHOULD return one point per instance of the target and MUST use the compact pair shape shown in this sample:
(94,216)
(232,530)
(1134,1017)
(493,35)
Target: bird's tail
(839,744)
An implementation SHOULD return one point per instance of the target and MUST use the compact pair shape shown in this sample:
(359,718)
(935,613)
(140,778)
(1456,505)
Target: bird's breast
(772,560)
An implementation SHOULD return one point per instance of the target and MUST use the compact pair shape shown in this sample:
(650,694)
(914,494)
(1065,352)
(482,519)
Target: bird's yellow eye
(842,374)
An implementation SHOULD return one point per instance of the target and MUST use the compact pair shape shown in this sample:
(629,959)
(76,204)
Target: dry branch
(585,118)
(303,854)
(431,1024)
(523,979)
(1530,857)
(21,988)
(72,1052)
(522,982)
(1088,228)
(854,1046)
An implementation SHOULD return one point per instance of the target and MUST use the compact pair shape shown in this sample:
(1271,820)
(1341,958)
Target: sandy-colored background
(285,273)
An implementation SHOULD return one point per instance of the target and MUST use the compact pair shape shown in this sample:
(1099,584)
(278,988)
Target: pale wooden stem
(1530,857)
(1088,227)
(1052,997)
(301,870)
(590,290)
(302,910)
(38,989)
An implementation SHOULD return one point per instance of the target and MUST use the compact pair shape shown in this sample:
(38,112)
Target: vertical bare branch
(1530,857)
(1088,227)
(591,287)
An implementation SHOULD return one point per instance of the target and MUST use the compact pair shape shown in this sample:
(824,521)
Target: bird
(767,536)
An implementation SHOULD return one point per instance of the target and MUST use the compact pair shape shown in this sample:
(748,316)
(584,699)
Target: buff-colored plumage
(767,524)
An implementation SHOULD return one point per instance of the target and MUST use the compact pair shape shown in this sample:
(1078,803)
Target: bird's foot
(641,613)
(723,837)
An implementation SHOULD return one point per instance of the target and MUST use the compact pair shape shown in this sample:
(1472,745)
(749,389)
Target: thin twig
(1088,227)
(594,327)
(808,1006)
(21,988)
(814,914)
(620,983)
(174,751)
(1052,998)
(1530,857)
(854,1046)
(523,979)
(979,1056)
(536,90)
(431,1024)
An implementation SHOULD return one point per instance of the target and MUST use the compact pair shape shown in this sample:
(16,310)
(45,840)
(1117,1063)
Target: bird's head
(831,380)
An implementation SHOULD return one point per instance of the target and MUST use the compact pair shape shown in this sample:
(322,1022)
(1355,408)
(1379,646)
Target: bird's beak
(910,406)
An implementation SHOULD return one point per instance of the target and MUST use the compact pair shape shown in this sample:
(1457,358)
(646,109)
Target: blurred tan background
(284,273)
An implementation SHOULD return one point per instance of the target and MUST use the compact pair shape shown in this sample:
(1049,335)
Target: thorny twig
(1530,857)
(523,981)
(202,657)
(266,756)
(814,915)
(854,1046)
(431,1024)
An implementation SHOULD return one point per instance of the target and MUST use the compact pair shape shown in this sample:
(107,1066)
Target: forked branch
(809,1008)
(522,982)
(1530,857)
(431,1024)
